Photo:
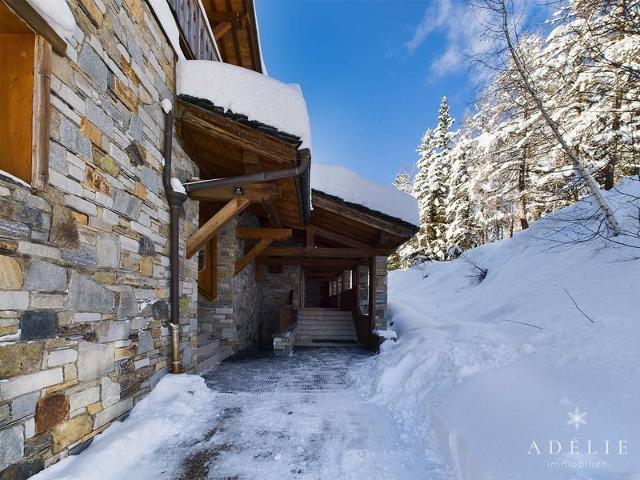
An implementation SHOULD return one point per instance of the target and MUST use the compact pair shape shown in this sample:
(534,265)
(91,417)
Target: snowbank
(483,369)
(178,409)
(350,187)
(57,14)
(246,92)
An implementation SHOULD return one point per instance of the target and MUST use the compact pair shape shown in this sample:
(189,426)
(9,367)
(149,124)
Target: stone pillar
(380,278)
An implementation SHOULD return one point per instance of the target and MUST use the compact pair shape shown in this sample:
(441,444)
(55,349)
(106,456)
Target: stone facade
(244,316)
(277,289)
(233,318)
(84,263)
(380,279)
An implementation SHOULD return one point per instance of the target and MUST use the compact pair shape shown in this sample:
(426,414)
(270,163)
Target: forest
(556,119)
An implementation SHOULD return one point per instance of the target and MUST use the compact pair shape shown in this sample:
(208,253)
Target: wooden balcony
(196,38)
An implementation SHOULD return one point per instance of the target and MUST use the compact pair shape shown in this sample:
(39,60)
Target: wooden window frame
(41,114)
(208,276)
(40,100)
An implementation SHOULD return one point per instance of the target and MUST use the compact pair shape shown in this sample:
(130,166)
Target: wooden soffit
(236,31)
(336,222)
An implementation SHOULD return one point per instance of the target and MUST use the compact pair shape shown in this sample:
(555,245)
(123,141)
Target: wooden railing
(195,33)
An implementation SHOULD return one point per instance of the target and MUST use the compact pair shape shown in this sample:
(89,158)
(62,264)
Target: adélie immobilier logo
(578,452)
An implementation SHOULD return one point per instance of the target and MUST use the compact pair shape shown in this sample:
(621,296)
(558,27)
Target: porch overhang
(229,146)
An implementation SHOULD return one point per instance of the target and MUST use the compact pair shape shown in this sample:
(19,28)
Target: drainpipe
(175,199)
(303,165)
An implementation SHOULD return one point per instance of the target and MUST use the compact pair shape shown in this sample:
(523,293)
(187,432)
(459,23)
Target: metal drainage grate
(307,370)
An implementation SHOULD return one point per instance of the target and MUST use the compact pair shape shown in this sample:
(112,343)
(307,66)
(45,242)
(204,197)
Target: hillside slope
(486,371)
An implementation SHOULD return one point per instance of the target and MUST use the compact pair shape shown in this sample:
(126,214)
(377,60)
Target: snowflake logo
(576,418)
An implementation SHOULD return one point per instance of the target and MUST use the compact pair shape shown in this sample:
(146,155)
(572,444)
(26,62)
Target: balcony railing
(196,36)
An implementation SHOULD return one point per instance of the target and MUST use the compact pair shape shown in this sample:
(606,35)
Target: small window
(208,274)
(274,268)
(25,66)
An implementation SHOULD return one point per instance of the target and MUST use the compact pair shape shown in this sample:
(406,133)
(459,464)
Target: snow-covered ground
(486,372)
(271,418)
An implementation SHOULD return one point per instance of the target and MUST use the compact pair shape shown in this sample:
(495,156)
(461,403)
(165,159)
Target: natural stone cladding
(84,263)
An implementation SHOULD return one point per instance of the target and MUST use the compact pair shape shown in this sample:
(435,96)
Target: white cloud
(461,28)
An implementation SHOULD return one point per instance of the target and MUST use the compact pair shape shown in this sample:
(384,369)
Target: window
(208,273)
(25,65)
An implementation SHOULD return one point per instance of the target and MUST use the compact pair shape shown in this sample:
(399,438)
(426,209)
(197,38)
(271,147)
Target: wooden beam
(246,233)
(253,253)
(39,25)
(252,164)
(221,30)
(337,237)
(325,252)
(313,262)
(255,192)
(397,229)
(310,238)
(218,126)
(215,223)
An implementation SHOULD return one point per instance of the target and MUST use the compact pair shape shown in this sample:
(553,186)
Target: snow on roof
(242,91)
(57,14)
(350,187)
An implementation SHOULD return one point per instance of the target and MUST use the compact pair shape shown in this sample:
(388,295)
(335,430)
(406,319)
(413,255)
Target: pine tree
(462,228)
(433,195)
(403,182)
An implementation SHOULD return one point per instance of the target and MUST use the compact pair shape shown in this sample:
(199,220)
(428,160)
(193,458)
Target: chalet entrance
(283,260)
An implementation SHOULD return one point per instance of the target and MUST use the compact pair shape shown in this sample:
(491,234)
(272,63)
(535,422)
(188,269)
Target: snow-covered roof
(242,91)
(349,186)
(57,14)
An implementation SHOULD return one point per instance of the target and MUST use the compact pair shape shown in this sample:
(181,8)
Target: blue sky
(372,72)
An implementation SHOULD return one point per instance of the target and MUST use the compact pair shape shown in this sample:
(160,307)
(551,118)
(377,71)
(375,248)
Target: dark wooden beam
(39,25)
(396,229)
(325,252)
(255,192)
(227,130)
(313,262)
(252,164)
(247,233)
(337,237)
(214,224)
(253,253)
(221,30)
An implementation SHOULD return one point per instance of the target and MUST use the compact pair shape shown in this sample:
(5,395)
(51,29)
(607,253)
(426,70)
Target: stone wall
(232,319)
(276,290)
(381,276)
(84,263)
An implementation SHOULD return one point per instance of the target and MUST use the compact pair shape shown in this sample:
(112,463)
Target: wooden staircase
(325,327)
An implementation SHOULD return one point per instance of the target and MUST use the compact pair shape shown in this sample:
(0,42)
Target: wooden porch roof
(227,145)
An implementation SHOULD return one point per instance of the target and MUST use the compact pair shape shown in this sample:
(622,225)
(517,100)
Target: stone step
(337,314)
(305,335)
(208,349)
(322,323)
(324,343)
(319,330)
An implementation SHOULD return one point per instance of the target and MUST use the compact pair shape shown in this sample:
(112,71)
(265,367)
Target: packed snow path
(299,418)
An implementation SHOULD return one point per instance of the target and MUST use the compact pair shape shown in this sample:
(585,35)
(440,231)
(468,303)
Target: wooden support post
(310,238)
(258,271)
(251,254)
(215,223)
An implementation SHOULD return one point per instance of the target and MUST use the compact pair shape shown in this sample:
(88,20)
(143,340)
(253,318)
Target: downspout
(303,165)
(175,199)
